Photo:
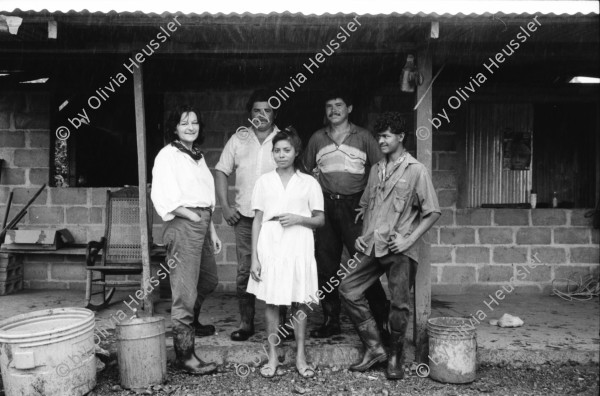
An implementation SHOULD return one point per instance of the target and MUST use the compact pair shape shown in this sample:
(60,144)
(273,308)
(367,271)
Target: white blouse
(178,180)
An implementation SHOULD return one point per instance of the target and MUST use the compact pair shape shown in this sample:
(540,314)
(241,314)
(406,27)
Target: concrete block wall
(472,249)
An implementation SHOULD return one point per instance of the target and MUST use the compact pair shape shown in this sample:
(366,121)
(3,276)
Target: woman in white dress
(288,205)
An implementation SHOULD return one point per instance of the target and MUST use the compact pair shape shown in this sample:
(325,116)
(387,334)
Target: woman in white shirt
(183,194)
(288,205)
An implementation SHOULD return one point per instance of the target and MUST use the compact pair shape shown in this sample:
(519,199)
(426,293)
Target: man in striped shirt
(341,155)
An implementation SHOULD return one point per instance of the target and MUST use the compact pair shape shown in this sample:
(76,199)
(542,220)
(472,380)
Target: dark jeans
(339,231)
(185,252)
(243,248)
(400,271)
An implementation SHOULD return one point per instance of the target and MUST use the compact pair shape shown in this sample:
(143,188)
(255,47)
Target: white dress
(286,254)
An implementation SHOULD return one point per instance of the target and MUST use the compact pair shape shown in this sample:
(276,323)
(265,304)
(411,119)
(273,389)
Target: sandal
(270,371)
(307,371)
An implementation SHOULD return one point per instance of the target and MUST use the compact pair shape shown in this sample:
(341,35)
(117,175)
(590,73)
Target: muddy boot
(381,314)
(201,330)
(286,333)
(395,362)
(374,352)
(331,323)
(183,342)
(246,330)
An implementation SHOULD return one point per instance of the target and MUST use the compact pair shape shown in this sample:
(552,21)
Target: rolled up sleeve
(426,193)
(226,162)
(165,194)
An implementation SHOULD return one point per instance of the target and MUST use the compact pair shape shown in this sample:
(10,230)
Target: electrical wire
(585,289)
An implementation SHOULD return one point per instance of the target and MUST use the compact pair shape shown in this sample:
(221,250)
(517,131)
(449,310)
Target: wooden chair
(120,247)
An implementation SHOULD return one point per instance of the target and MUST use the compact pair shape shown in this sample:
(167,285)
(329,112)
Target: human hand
(360,244)
(289,219)
(217,245)
(359,215)
(194,217)
(399,244)
(255,269)
(231,215)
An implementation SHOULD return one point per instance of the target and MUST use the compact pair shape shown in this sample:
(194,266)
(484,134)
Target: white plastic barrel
(452,350)
(142,352)
(49,353)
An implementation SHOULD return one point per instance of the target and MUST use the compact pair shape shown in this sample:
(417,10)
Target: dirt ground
(567,379)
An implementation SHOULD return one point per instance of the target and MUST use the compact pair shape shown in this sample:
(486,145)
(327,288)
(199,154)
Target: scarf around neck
(194,153)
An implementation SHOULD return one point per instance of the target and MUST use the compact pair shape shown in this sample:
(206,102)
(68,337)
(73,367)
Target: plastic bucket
(49,352)
(142,352)
(452,350)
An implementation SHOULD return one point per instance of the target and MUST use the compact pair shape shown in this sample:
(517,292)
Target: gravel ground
(567,379)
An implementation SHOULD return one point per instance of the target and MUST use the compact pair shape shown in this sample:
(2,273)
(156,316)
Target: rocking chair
(120,246)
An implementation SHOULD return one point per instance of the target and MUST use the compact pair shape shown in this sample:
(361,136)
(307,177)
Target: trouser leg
(207,283)
(243,241)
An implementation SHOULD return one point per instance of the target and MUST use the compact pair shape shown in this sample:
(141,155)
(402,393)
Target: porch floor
(555,330)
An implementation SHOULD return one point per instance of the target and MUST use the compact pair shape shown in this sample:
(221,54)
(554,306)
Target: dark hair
(291,136)
(392,120)
(173,119)
(338,93)
(260,95)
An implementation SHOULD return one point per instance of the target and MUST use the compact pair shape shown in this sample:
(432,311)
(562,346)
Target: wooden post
(140,127)
(424,134)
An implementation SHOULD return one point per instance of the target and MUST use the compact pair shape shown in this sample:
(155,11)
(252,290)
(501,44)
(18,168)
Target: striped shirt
(342,169)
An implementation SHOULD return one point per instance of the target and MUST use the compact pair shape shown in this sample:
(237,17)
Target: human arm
(400,243)
(315,221)
(366,196)
(230,213)
(255,267)
(186,213)
(215,240)
(310,155)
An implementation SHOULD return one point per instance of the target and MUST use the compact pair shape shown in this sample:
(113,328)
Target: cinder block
(39,139)
(581,217)
(443,180)
(447,161)
(441,254)
(523,290)
(511,217)
(576,273)
(227,272)
(12,286)
(546,217)
(457,236)
(217,216)
(447,218)
(12,176)
(22,195)
(4,121)
(68,196)
(230,254)
(38,284)
(67,271)
(32,158)
(595,236)
(37,102)
(572,236)
(32,121)
(458,274)
(495,273)
(446,198)
(78,215)
(39,176)
(98,196)
(533,236)
(77,286)
(481,217)
(14,139)
(435,269)
(585,255)
(36,271)
(46,215)
(12,101)
(495,235)
(96,215)
(509,255)
(541,273)
(548,255)
(472,254)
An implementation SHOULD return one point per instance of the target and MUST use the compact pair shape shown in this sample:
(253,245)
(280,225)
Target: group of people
(294,212)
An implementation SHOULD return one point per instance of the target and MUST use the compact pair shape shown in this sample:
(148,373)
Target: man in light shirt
(248,155)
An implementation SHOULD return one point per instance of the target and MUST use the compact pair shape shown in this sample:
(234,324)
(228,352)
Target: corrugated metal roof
(435,9)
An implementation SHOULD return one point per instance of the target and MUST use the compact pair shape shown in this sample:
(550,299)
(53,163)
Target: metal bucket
(142,352)
(49,352)
(452,350)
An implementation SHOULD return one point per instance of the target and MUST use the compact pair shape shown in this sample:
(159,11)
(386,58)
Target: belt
(335,197)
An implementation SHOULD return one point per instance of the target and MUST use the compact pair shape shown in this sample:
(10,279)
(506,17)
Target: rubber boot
(381,314)
(201,330)
(374,352)
(395,369)
(286,332)
(183,342)
(331,322)
(246,305)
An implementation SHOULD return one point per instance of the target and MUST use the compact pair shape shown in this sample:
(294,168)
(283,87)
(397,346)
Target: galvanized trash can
(142,352)
(49,352)
(452,350)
